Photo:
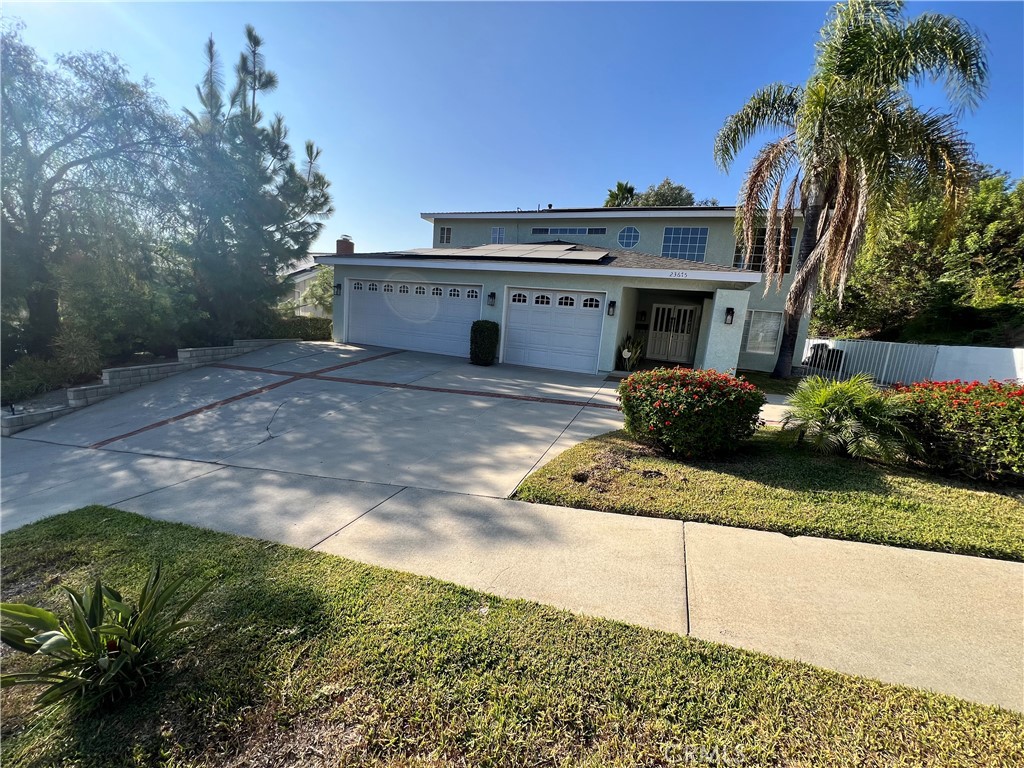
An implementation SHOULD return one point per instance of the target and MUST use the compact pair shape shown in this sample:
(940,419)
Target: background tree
(247,210)
(852,141)
(620,196)
(913,284)
(86,154)
(665,194)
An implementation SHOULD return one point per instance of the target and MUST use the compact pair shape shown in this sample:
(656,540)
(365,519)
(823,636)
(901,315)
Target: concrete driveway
(404,460)
(352,413)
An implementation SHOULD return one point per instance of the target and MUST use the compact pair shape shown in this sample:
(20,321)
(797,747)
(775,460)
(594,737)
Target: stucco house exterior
(567,286)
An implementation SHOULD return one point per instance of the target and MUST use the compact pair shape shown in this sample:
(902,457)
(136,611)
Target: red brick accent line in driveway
(321,374)
(292,377)
(470,392)
(310,374)
(196,411)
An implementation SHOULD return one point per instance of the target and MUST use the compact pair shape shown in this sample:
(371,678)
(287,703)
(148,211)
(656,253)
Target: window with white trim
(497,235)
(389,288)
(757,254)
(371,287)
(421,291)
(444,235)
(436,292)
(566,301)
(591,303)
(761,332)
(472,293)
(453,293)
(542,299)
(688,243)
(403,289)
(629,237)
(518,298)
(569,230)
(357,286)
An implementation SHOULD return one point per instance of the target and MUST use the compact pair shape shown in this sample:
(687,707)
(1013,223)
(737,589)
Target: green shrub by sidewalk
(971,429)
(690,412)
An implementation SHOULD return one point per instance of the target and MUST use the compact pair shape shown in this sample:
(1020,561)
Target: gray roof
(613,257)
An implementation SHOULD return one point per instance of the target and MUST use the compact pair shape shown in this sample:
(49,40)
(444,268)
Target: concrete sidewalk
(948,623)
(404,460)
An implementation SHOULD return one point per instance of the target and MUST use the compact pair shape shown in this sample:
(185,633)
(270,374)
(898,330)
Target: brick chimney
(345,246)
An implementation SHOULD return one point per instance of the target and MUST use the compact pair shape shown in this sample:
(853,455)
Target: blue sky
(482,106)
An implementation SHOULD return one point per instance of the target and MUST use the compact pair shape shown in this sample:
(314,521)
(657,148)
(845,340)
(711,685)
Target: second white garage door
(426,317)
(554,329)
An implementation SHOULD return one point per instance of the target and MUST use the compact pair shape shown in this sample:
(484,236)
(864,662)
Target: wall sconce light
(491,298)
(611,309)
(730,313)
(337,289)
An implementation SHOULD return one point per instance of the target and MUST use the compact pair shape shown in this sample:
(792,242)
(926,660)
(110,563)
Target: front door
(672,333)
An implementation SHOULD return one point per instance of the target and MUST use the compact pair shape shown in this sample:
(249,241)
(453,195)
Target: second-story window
(497,235)
(757,253)
(688,243)
(444,235)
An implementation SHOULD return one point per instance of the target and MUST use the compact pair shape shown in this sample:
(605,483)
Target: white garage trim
(407,332)
(506,325)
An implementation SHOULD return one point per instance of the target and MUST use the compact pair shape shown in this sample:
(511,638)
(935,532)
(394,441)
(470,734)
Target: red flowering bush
(968,428)
(690,412)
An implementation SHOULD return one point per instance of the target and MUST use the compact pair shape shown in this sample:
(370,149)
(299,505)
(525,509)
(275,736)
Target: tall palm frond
(852,142)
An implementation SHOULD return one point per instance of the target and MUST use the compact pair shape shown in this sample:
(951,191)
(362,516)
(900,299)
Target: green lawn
(773,486)
(310,659)
(766,383)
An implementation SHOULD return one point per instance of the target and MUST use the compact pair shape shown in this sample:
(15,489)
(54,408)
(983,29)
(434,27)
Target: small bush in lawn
(483,342)
(849,418)
(691,413)
(106,651)
(968,428)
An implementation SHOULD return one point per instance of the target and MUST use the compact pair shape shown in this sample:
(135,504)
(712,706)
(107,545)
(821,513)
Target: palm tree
(852,143)
(621,196)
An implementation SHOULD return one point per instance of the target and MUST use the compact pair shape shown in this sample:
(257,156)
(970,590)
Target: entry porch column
(722,351)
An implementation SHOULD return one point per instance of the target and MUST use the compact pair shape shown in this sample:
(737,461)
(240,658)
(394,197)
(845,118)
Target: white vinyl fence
(892,362)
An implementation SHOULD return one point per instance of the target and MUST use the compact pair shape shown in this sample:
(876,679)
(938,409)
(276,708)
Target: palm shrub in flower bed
(968,428)
(691,413)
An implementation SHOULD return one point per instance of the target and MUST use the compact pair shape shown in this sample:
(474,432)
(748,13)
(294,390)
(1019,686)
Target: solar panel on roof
(513,251)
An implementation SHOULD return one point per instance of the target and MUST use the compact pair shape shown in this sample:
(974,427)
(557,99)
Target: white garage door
(426,317)
(554,329)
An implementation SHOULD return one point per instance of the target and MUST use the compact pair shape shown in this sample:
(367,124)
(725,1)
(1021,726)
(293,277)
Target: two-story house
(567,286)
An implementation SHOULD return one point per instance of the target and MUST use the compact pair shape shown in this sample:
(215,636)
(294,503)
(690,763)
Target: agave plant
(107,651)
(850,418)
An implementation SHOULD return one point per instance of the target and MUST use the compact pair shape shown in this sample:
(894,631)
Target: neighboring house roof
(655,212)
(306,264)
(556,256)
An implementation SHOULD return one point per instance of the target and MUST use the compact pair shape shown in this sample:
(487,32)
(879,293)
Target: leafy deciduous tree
(86,153)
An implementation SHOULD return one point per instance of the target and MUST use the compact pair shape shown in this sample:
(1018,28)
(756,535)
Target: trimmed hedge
(31,376)
(968,428)
(305,328)
(691,413)
(483,342)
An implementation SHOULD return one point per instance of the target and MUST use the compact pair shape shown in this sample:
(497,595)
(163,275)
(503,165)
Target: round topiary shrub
(690,413)
(483,342)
